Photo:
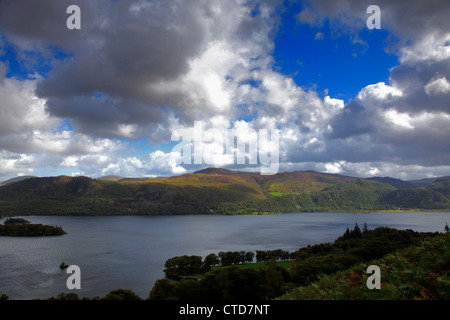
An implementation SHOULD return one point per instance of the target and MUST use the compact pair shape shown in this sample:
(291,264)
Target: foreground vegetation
(416,273)
(307,265)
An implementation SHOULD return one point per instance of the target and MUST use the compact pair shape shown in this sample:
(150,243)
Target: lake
(129,252)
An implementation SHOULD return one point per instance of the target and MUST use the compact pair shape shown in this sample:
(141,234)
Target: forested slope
(214,191)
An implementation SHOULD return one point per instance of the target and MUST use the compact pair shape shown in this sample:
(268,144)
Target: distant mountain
(216,191)
(16,179)
(424,182)
(442,186)
(397,183)
(110,178)
(434,196)
(217,171)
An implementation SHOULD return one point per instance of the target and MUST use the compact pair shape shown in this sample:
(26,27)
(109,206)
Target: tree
(163,289)
(184,265)
(446,227)
(365,229)
(111,296)
(210,260)
(346,234)
(356,232)
(304,272)
(284,255)
(16,221)
(194,264)
(261,256)
(229,258)
(242,257)
(225,258)
(125,294)
(65,296)
(274,279)
(233,283)
(188,289)
(249,256)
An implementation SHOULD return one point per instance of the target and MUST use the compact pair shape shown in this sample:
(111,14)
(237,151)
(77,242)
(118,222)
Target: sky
(123,94)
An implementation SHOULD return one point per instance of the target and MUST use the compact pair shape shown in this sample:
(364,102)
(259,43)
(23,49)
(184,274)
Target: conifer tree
(356,231)
(365,229)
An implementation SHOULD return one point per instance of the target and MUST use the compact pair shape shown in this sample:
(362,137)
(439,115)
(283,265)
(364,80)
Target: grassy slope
(420,272)
(258,265)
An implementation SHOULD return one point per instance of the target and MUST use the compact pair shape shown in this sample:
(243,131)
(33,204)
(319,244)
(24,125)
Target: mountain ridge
(215,191)
(16,179)
(212,170)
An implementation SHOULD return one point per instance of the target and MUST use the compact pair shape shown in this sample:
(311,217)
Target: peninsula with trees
(18,227)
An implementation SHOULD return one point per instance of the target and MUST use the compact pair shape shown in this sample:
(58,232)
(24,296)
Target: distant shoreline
(400,210)
(239,214)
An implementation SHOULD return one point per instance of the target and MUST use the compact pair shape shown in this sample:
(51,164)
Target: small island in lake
(18,227)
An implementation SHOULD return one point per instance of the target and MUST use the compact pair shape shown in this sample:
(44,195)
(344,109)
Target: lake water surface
(129,252)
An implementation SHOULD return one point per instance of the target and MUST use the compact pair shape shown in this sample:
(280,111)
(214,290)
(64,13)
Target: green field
(277,193)
(258,265)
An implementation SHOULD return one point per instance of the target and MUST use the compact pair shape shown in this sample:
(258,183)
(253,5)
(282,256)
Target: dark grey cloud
(104,116)
(354,120)
(136,54)
(412,78)
(409,20)
(129,48)
(38,24)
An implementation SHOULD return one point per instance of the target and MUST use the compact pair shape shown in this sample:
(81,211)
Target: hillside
(214,191)
(419,272)
(424,182)
(16,179)
(397,183)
